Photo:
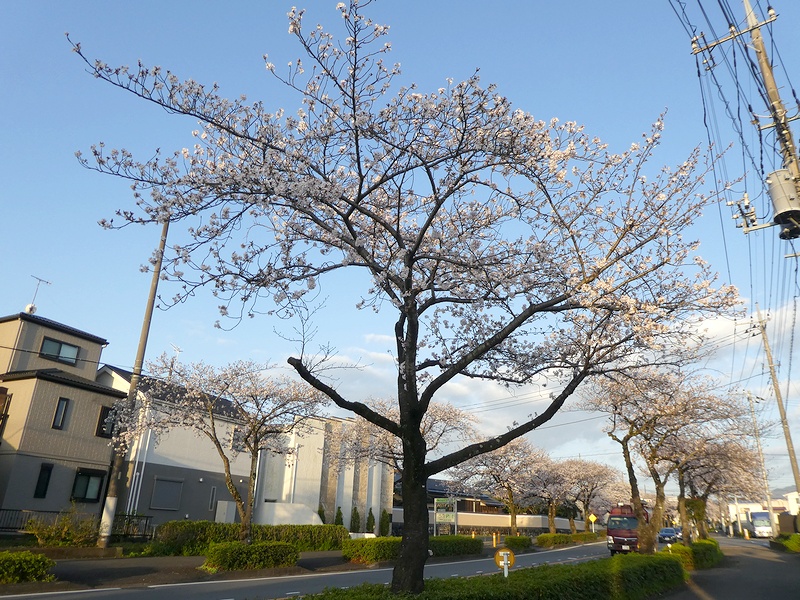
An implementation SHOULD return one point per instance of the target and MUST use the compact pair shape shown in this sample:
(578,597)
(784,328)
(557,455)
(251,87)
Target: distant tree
(370,522)
(339,519)
(239,408)
(504,248)
(355,520)
(385,526)
(549,483)
(587,481)
(321,513)
(503,474)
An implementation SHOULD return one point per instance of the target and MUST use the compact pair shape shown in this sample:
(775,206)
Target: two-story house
(54,442)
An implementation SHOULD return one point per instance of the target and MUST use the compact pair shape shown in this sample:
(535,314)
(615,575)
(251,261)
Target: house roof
(54,325)
(222,406)
(64,378)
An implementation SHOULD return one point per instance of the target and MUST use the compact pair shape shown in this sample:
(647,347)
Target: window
(212,500)
(166,494)
(5,404)
(60,351)
(44,480)
(105,428)
(60,418)
(88,485)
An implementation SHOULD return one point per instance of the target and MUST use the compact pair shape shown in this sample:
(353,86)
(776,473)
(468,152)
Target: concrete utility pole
(115,477)
(783,184)
(763,464)
(781,409)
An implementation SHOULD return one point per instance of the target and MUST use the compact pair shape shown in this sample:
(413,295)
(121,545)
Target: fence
(125,526)
(17,520)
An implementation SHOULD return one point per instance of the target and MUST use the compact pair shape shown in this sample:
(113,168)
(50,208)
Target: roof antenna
(31,308)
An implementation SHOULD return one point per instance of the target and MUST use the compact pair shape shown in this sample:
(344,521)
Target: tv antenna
(31,308)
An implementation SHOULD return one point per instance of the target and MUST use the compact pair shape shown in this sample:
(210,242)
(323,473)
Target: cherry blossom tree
(238,408)
(502,247)
(589,484)
(442,426)
(665,418)
(549,483)
(505,474)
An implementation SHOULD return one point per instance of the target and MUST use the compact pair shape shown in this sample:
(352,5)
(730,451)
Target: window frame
(60,416)
(43,480)
(59,356)
(89,474)
(5,406)
(101,430)
(161,494)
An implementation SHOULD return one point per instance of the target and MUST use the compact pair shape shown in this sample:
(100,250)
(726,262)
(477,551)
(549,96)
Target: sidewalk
(749,571)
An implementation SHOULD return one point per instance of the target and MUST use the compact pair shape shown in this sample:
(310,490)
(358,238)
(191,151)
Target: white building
(180,475)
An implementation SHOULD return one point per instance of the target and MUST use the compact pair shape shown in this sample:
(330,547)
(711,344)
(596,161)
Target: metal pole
(118,465)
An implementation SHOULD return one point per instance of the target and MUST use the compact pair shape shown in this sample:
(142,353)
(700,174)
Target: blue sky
(611,66)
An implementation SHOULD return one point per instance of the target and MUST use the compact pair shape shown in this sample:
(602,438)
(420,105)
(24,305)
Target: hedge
(790,542)
(231,556)
(548,540)
(702,554)
(706,554)
(18,567)
(372,550)
(193,538)
(518,543)
(622,577)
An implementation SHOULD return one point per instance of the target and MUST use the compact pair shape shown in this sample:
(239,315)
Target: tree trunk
(551,516)
(408,575)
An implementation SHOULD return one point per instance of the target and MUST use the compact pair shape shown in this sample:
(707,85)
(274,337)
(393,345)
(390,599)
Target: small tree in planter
(370,522)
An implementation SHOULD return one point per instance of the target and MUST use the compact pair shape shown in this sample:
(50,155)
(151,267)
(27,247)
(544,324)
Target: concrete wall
(479,522)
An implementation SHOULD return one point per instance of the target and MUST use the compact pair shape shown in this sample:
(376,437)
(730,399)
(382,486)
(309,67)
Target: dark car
(668,535)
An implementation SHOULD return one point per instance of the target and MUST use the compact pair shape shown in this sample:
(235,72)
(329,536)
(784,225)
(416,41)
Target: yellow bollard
(747,534)
(473,535)
(494,540)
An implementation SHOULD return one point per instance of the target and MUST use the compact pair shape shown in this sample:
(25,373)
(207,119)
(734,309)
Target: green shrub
(235,556)
(355,520)
(548,540)
(585,536)
(790,542)
(18,567)
(624,577)
(682,553)
(321,513)
(193,538)
(339,519)
(518,543)
(385,526)
(70,528)
(706,554)
(370,528)
(371,550)
(455,545)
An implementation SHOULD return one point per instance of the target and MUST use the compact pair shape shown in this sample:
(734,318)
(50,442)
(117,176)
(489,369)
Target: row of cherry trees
(525,479)
(674,426)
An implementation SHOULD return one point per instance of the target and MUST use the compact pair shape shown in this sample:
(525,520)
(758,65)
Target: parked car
(668,535)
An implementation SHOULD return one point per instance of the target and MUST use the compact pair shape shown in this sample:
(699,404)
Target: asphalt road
(298,585)
(750,571)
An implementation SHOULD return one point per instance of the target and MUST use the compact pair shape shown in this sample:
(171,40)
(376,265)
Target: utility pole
(781,409)
(115,476)
(783,184)
(763,464)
